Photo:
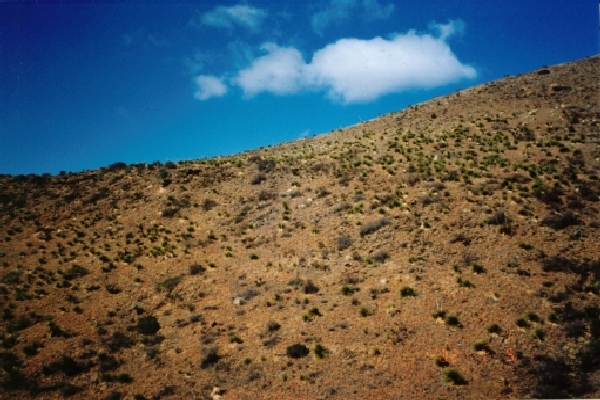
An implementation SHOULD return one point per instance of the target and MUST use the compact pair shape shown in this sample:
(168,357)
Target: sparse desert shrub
(464,282)
(295,282)
(169,211)
(68,366)
(522,322)
(56,331)
(258,178)
(508,229)
(461,238)
(236,339)
(170,165)
(196,269)
(310,287)
(560,221)
(76,271)
(526,246)
(381,256)
(452,375)
(407,291)
(349,290)
(273,326)
(480,346)
(478,268)
(494,328)
(343,242)
(320,351)
(453,320)
(539,334)
(31,349)
(148,325)
(210,356)
(297,351)
(266,165)
(533,317)
(371,227)
(589,358)
(265,195)
(441,362)
(168,284)
(209,204)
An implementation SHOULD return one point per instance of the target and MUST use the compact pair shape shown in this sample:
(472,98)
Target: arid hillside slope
(449,250)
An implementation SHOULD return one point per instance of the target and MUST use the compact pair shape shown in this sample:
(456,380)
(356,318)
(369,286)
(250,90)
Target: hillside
(449,250)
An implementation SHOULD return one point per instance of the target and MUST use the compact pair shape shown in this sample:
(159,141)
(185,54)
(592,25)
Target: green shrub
(210,356)
(320,351)
(441,362)
(343,242)
(371,227)
(522,322)
(148,325)
(494,328)
(452,375)
(407,291)
(526,246)
(349,290)
(124,378)
(273,326)
(553,318)
(453,320)
(168,284)
(480,346)
(314,312)
(464,282)
(297,351)
(539,334)
(533,317)
(478,268)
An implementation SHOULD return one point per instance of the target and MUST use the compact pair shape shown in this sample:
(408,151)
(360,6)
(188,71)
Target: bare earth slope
(449,250)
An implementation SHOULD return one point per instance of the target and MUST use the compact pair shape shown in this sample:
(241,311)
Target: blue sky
(86,85)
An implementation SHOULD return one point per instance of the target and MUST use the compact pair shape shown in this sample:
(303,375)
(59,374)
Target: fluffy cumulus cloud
(354,70)
(209,86)
(226,17)
(281,71)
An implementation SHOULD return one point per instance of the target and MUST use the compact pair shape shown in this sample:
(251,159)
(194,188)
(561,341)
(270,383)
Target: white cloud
(355,70)
(280,71)
(209,86)
(226,17)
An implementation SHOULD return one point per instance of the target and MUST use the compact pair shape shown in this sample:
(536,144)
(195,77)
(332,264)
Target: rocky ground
(449,250)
